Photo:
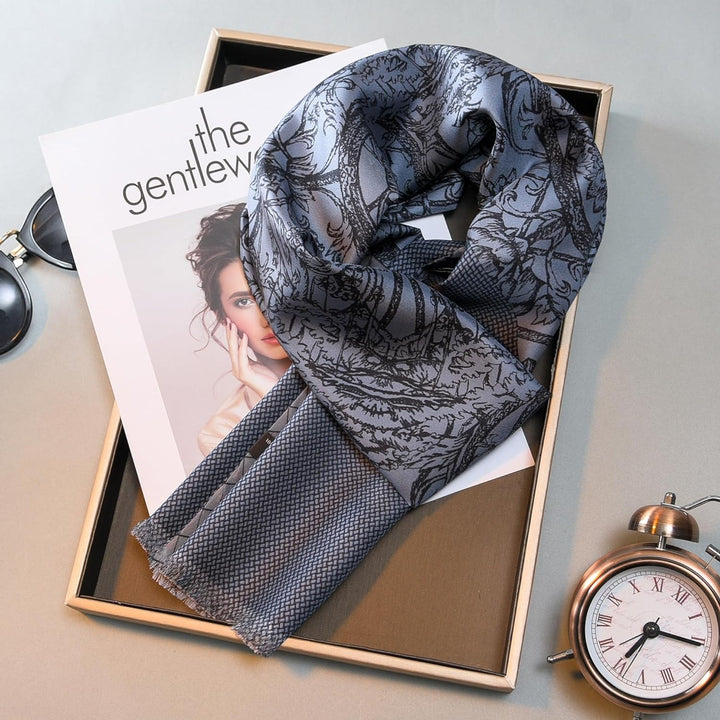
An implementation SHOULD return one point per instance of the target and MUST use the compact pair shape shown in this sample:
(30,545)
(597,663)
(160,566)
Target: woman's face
(240,307)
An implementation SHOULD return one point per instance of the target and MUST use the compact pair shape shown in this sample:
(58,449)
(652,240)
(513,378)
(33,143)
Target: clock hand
(630,639)
(636,646)
(677,637)
(650,629)
(639,644)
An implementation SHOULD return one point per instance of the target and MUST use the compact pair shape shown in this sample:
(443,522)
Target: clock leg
(564,655)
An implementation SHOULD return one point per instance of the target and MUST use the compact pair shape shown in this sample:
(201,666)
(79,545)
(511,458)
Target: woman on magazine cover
(256,357)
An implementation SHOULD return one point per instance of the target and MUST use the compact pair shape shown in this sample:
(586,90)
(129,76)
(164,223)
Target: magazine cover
(150,201)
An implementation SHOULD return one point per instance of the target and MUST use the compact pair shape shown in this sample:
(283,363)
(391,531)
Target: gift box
(445,594)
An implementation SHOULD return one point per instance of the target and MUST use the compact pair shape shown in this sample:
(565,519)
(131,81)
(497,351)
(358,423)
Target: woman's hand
(242,367)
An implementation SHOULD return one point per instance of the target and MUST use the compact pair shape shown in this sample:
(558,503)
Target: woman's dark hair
(216,248)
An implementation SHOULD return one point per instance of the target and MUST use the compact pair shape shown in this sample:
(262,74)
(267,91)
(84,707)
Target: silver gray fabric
(417,353)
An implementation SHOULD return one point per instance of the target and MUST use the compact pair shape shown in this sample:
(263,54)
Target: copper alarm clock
(644,620)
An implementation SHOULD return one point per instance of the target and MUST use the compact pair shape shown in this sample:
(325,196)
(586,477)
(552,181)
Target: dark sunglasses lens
(49,232)
(15,311)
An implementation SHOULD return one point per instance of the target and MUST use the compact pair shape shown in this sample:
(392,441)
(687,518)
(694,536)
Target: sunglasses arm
(18,253)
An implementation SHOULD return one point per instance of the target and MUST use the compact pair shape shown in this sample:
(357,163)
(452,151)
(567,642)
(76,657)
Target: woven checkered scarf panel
(412,356)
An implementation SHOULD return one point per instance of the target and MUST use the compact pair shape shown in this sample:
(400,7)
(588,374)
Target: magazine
(142,196)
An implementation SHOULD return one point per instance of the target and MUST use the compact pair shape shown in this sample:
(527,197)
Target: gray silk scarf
(412,356)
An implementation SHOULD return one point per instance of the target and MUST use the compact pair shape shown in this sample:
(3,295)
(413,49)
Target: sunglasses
(43,235)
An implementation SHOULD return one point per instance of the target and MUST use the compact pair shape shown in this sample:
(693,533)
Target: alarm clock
(644,622)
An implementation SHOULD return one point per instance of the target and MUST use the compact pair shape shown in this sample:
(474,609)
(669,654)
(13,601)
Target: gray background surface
(639,414)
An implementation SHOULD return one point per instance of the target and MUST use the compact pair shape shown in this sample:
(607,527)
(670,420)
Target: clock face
(651,632)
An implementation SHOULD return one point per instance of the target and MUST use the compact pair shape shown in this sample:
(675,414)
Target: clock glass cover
(651,632)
